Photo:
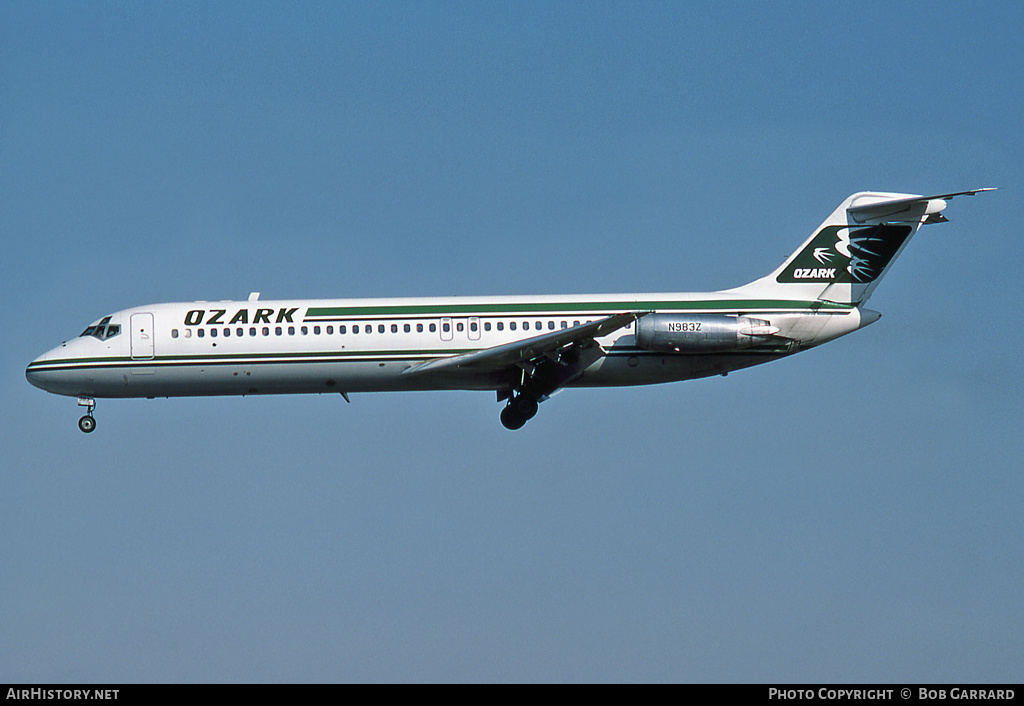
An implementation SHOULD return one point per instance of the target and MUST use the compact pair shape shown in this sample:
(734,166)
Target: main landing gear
(519,410)
(88,422)
(540,377)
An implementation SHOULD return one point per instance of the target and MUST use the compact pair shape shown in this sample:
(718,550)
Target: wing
(499,358)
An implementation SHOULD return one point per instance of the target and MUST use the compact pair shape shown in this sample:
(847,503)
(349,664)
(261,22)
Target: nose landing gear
(88,422)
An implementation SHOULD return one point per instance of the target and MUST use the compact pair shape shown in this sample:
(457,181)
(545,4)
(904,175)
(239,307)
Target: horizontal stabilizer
(888,209)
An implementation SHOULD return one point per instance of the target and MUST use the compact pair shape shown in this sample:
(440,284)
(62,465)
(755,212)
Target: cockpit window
(101,330)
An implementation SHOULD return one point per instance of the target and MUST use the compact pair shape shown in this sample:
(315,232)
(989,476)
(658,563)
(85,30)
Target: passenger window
(174,333)
(433,328)
(252,330)
(213,333)
(355,328)
(444,327)
(188,333)
(330,330)
(266,330)
(316,330)
(305,330)
(341,329)
(487,326)
(565,324)
(501,325)
(278,330)
(291,330)
(200,332)
(380,328)
(227,332)
(551,326)
(458,326)
(407,328)
(419,328)
(394,328)
(472,326)
(511,325)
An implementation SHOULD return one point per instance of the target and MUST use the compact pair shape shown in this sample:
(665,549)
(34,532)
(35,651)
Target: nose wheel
(88,422)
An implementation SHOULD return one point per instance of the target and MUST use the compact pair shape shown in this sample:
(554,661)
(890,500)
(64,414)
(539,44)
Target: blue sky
(848,514)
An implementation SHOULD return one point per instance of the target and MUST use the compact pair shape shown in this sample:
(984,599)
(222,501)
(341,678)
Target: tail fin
(848,254)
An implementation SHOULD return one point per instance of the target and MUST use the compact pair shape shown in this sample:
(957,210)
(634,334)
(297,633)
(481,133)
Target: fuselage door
(446,329)
(142,336)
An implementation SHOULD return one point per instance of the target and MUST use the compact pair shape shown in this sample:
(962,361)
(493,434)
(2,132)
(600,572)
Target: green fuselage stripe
(296,357)
(556,308)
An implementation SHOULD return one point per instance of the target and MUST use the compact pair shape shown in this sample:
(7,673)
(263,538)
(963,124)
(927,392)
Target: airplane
(523,348)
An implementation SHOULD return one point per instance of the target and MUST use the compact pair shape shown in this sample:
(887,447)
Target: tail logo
(853,254)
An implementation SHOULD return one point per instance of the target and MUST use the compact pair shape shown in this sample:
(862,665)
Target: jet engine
(700,333)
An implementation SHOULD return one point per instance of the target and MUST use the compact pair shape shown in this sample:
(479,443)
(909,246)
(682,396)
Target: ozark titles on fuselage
(194,317)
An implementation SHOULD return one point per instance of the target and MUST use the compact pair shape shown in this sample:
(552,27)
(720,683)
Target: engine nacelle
(700,333)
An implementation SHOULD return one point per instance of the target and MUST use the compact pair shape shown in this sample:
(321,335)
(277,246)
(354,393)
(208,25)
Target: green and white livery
(524,348)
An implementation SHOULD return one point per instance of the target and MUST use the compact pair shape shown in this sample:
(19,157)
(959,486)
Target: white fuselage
(366,345)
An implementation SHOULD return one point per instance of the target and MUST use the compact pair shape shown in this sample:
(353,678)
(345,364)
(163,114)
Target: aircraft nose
(64,369)
(39,373)
(34,373)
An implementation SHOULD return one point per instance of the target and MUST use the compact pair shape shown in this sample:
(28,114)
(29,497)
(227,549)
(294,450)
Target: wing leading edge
(498,358)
